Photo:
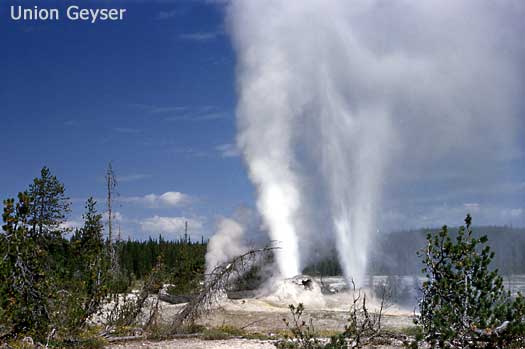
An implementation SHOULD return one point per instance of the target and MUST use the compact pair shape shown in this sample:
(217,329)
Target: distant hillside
(395,253)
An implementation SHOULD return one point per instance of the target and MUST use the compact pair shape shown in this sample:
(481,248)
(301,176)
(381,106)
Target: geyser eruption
(292,94)
(225,244)
(331,93)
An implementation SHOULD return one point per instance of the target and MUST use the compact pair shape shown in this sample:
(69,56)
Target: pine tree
(464,303)
(93,265)
(49,206)
(24,291)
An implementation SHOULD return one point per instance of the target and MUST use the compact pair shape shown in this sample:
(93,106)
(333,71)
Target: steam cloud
(332,94)
(226,243)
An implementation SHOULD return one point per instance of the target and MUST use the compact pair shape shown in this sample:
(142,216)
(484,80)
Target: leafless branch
(216,283)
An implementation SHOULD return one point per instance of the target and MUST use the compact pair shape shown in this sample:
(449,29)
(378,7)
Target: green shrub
(222,332)
(464,303)
(303,334)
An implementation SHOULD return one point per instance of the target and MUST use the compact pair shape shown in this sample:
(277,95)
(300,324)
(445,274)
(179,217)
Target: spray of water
(225,244)
(332,93)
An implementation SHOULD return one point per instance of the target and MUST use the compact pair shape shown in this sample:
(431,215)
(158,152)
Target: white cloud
(191,152)
(200,36)
(168,199)
(132,177)
(171,225)
(157,109)
(227,150)
(126,130)
(185,113)
(78,222)
(71,224)
(472,207)
(163,15)
(198,116)
(516,212)
(451,215)
(117,217)
(513,216)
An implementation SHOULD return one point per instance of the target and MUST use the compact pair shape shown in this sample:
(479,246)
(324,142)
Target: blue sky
(154,94)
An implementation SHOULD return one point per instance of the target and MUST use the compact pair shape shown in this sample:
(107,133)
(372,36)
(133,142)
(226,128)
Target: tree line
(185,259)
(391,253)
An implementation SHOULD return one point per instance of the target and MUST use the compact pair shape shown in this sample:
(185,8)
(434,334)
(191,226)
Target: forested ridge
(393,253)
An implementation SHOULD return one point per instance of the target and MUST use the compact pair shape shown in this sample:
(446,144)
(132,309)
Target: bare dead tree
(126,312)
(217,282)
(111,186)
(363,326)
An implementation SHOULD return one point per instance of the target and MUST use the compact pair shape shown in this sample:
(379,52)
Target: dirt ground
(264,315)
(197,343)
(268,322)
